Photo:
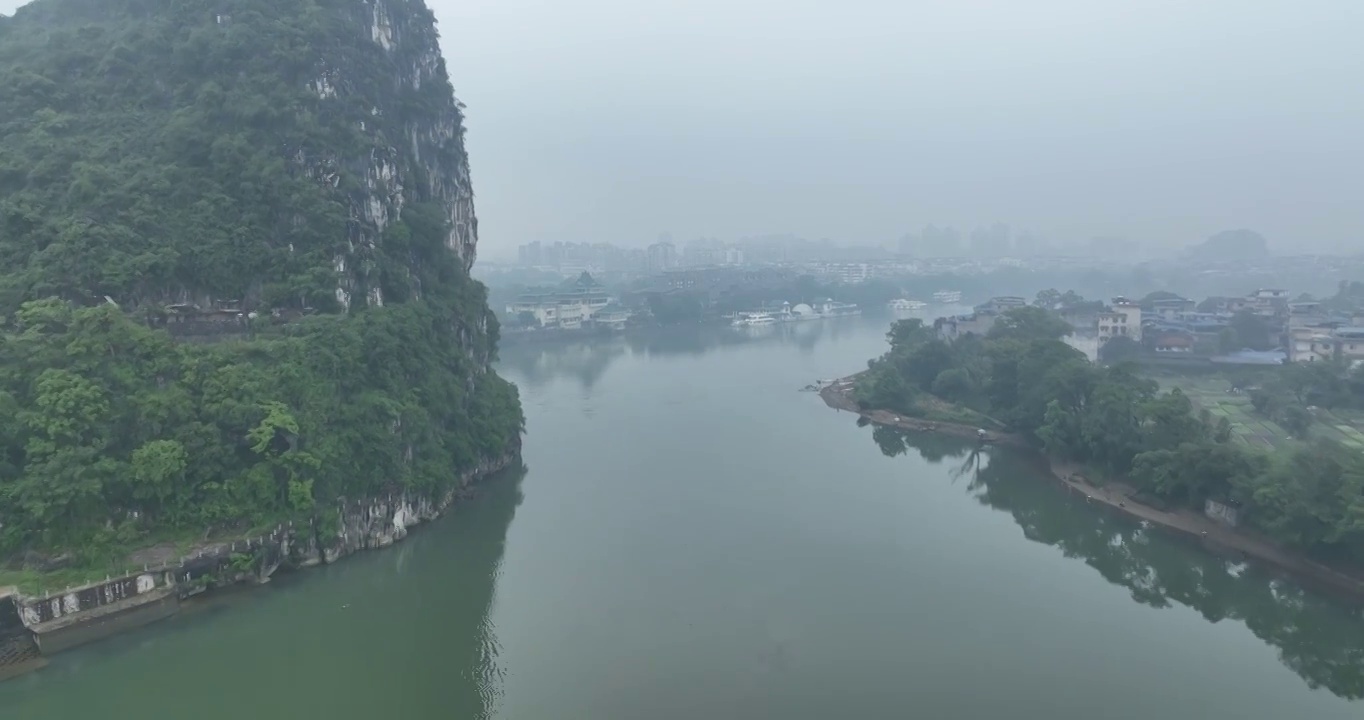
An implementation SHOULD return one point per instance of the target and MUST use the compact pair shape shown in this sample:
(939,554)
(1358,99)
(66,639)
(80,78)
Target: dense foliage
(112,430)
(154,151)
(179,149)
(1069,301)
(1118,423)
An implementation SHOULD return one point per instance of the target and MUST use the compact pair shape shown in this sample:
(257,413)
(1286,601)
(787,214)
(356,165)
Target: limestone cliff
(411,155)
(263,155)
(287,173)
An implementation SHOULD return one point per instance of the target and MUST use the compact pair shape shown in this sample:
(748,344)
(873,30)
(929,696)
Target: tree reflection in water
(537,363)
(1318,636)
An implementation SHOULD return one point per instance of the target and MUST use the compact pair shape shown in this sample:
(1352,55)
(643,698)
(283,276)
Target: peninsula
(1111,435)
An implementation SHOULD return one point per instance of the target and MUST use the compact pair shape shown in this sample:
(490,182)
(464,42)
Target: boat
(904,304)
(947,297)
(752,319)
(787,313)
(831,309)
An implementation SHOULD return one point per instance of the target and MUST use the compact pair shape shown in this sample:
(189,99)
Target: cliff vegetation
(293,169)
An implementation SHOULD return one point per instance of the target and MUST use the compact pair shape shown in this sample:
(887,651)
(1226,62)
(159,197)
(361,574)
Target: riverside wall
(18,650)
(61,620)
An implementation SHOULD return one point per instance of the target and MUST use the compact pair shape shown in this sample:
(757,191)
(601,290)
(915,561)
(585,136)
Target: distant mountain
(1231,245)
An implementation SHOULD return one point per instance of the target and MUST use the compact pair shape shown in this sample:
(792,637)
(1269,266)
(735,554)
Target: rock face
(411,155)
(379,522)
(364,524)
(277,145)
(290,174)
(233,170)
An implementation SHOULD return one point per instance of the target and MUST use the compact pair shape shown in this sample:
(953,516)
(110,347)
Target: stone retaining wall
(78,615)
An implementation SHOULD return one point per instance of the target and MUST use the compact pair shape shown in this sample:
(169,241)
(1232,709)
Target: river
(693,538)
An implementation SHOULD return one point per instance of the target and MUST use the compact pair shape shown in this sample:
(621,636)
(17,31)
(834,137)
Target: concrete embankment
(18,650)
(1119,497)
(33,627)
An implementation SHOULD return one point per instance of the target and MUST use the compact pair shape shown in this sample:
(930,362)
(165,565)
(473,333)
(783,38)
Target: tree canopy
(1114,421)
(167,151)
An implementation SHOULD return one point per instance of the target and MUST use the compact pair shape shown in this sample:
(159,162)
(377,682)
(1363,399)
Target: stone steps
(18,654)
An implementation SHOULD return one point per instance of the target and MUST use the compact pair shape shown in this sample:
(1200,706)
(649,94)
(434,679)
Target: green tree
(1228,341)
(159,467)
(1222,432)
(954,384)
(1029,323)
(1168,421)
(1049,299)
(1120,349)
(1296,419)
(905,334)
(925,362)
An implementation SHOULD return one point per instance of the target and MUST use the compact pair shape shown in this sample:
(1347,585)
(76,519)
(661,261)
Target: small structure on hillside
(1226,513)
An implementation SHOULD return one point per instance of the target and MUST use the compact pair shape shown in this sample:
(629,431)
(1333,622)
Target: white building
(1268,302)
(1324,343)
(1122,319)
(569,306)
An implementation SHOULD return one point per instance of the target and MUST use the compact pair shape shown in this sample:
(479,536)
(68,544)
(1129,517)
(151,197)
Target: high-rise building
(662,256)
(530,254)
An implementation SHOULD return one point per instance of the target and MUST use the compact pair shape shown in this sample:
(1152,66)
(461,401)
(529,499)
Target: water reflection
(536,364)
(1319,637)
(470,635)
(403,632)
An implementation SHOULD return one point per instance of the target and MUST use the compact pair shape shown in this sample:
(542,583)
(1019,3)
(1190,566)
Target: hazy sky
(1161,120)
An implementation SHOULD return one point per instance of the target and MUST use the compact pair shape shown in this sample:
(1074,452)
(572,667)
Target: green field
(1212,392)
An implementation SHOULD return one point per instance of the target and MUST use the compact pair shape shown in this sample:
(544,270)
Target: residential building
(1268,302)
(1349,344)
(1169,308)
(1310,343)
(662,257)
(1226,305)
(1326,341)
(1121,319)
(530,254)
(1171,341)
(848,272)
(568,257)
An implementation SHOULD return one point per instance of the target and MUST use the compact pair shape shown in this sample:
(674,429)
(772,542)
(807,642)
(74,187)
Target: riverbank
(35,626)
(838,395)
(1118,497)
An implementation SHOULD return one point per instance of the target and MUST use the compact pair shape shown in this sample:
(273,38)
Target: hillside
(293,170)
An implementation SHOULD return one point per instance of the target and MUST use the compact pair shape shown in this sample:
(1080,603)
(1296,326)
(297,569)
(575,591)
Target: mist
(1162,122)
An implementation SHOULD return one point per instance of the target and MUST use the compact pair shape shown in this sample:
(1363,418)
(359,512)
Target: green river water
(693,538)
